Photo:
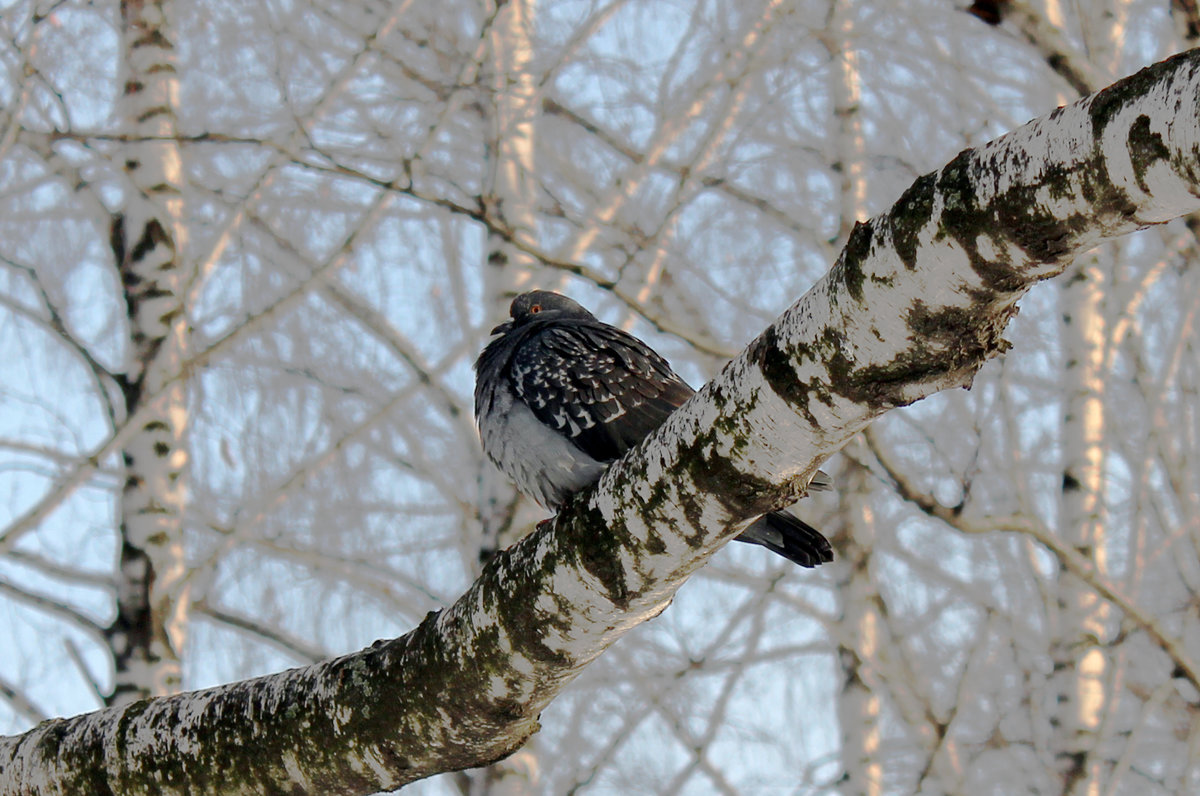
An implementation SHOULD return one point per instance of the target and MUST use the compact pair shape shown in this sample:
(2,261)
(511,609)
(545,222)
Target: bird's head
(541,305)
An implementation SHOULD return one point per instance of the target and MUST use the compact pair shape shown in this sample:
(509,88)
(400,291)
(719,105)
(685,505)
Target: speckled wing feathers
(600,387)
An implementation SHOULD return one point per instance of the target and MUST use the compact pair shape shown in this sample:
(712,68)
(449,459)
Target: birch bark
(511,192)
(859,709)
(148,239)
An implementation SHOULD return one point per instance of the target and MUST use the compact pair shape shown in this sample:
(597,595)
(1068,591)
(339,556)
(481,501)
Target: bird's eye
(535,309)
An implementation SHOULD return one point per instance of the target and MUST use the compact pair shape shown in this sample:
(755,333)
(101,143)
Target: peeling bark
(916,303)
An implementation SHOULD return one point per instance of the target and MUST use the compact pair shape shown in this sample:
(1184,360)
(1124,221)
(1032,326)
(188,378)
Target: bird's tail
(794,539)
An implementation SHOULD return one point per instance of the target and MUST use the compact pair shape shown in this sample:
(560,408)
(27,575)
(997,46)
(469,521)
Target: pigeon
(560,395)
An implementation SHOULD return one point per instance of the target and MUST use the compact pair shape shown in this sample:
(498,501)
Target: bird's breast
(542,462)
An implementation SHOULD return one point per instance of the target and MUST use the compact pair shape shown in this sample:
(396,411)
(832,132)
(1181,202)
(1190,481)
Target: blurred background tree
(249,251)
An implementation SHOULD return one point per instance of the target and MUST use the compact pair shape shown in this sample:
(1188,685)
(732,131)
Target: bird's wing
(603,389)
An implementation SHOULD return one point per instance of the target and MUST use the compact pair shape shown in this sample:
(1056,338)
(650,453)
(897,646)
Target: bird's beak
(503,328)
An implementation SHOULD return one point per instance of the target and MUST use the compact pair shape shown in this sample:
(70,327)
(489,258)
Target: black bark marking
(1019,216)
(910,215)
(848,270)
(778,366)
(1146,148)
(741,494)
(514,613)
(599,553)
(116,240)
(153,234)
(948,344)
(1107,104)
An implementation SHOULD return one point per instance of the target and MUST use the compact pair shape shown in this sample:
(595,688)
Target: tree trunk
(512,107)
(148,237)
(1082,659)
(511,192)
(859,706)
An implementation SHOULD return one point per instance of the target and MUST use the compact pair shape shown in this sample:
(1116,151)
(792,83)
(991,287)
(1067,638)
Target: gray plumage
(559,395)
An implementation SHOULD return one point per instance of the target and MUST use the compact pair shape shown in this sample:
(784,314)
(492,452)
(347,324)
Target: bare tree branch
(19,701)
(1071,559)
(297,648)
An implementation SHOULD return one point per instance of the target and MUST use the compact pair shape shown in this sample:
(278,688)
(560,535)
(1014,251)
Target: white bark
(148,238)
(916,303)
(1083,618)
(511,192)
(860,705)
(511,103)
(513,109)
